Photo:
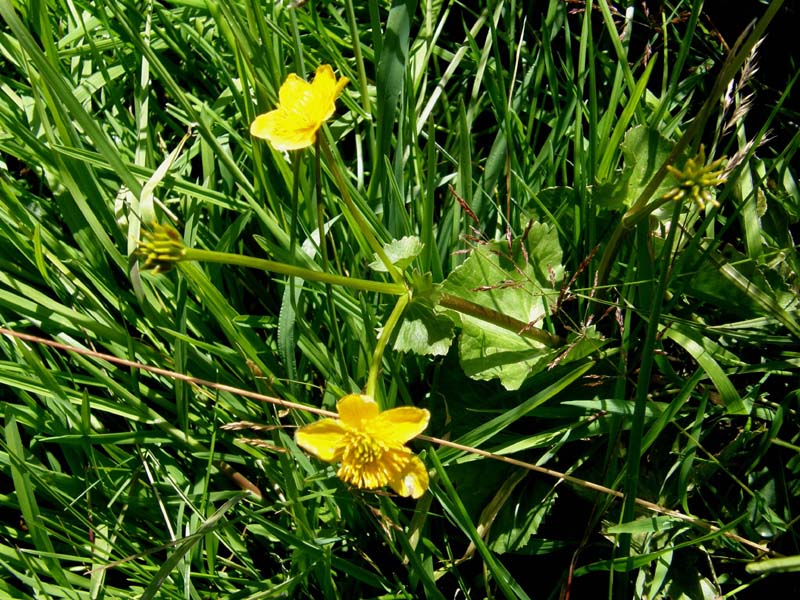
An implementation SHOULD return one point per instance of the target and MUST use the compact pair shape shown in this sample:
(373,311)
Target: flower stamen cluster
(697,180)
(161,248)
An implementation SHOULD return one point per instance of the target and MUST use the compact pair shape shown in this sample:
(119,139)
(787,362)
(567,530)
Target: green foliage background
(676,380)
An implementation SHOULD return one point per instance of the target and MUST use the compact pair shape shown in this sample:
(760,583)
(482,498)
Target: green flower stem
(497,318)
(323,252)
(356,214)
(612,246)
(383,340)
(293,224)
(634,450)
(225,258)
(627,223)
(382,287)
(293,217)
(362,73)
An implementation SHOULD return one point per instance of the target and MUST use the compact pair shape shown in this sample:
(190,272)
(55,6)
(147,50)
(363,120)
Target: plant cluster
(539,259)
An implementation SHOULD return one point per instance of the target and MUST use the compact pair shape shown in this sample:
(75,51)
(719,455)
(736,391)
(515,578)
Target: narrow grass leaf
(692,343)
(28,504)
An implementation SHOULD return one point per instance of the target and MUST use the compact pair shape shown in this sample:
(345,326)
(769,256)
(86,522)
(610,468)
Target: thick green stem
(643,385)
(383,340)
(294,217)
(363,226)
(323,252)
(497,318)
(395,289)
(362,73)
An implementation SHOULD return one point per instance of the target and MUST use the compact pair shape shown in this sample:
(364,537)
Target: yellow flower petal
(294,91)
(323,93)
(356,409)
(324,439)
(302,109)
(412,480)
(324,79)
(340,86)
(283,131)
(262,125)
(398,425)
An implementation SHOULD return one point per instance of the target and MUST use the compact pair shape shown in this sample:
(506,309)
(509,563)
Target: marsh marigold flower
(370,445)
(302,109)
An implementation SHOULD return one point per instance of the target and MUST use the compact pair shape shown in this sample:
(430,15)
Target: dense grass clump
(557,236)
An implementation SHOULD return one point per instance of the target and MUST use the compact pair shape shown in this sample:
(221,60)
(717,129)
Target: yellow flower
(302,109)
(370,445)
